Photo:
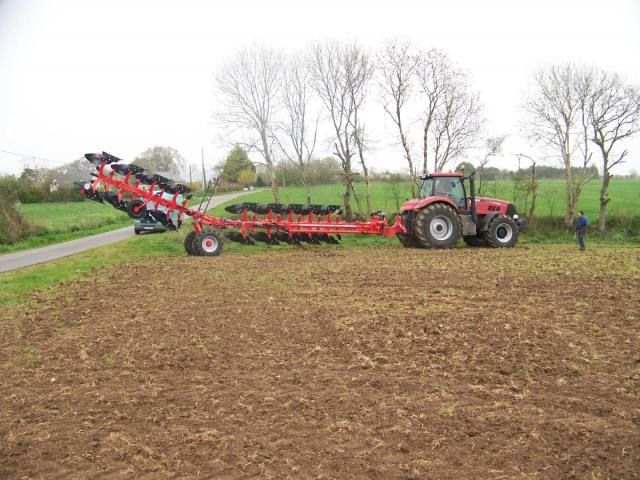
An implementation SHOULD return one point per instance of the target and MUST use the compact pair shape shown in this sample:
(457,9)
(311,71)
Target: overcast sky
(121,76)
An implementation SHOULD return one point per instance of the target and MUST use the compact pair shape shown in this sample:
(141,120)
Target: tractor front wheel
(438,226)
(189,243)
(502,232)
(208,244)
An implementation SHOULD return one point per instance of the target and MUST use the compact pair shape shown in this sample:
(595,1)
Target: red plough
(130,188)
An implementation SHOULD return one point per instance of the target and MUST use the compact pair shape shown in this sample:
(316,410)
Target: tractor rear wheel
(502,232)
(189,243)
(408,241)
(475,241)
(208,244)
(438,226)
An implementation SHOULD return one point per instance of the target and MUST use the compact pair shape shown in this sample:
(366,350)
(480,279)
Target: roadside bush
(229,187)
(12,225)
(63,195)
(620,228)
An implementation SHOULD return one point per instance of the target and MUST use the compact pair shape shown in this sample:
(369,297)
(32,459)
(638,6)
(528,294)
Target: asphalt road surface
(25,258)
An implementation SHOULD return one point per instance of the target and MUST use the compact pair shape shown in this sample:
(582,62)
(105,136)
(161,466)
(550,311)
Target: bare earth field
(378,363)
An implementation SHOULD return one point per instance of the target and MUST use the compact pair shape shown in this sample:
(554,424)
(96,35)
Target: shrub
(12,225)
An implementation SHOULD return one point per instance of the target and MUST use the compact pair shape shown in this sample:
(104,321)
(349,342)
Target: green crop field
(624,194)
(388,197)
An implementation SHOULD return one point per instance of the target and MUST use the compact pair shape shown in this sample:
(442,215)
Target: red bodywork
(484,205)
(249,222)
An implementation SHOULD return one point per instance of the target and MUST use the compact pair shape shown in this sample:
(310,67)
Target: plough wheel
(134,210)
(189,243)
(208,244)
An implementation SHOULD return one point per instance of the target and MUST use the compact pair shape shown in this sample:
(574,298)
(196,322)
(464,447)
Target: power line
(24,155)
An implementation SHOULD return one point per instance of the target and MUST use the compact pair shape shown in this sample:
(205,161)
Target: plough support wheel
(135,209)
(208,244)
(189,243)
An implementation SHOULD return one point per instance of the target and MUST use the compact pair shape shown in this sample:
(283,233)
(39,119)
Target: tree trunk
(348,213)
(425,153)
(534,193)
(407,154)
(307,187)
(274,186)
(604,200)
(269,162)
(571,204)
(356,197)
(367,184)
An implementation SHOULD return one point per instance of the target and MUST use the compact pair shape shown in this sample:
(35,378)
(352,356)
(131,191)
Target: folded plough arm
(130,188)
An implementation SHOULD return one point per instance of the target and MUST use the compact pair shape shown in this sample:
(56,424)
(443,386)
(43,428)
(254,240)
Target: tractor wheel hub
(441,227)
(504,233)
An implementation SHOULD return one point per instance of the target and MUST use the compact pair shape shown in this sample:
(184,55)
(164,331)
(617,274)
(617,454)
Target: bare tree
(452,113)
(249,83)
(358,70)
(299,130)
(329,76)
(556,118)
(613,116)
(493,148)
(533,183)
(397,66)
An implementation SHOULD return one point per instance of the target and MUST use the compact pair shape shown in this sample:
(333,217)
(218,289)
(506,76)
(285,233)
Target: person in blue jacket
(581,228)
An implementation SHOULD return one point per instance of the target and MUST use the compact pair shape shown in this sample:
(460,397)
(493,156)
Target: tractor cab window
(451,187)
(426,187)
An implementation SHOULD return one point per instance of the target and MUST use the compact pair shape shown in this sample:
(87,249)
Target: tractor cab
(450,185)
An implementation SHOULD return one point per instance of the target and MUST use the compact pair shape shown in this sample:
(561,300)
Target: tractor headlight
(515,217)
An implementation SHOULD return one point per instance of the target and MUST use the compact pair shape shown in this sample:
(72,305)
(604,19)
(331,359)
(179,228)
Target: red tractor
(444,213)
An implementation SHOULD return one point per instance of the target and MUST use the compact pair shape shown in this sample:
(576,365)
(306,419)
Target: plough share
(128,187)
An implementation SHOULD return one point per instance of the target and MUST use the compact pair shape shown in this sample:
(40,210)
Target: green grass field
(63,221)
(624,194)
(58,222)
(66,216)
(388,197)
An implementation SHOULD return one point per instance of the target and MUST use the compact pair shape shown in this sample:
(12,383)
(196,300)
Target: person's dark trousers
(581,240)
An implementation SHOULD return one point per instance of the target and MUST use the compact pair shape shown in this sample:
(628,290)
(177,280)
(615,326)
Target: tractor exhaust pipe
(472,192)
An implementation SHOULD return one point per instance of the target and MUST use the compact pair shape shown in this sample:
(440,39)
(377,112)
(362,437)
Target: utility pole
(190,179)
(204,176)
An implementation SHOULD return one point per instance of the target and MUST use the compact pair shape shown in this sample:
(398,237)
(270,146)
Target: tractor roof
(441,174)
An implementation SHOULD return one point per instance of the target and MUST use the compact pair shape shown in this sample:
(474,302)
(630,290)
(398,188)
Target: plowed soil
(379,363)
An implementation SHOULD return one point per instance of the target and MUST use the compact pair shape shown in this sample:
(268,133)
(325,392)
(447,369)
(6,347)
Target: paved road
(25,258)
